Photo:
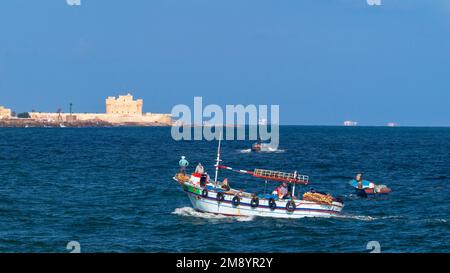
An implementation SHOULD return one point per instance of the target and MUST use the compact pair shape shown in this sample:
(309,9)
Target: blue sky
(322,61)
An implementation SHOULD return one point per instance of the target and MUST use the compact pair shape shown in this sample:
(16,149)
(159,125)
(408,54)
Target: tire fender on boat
(236,201)
(272,204)
(254,202)
(220,197)
(290,206)
(205,193)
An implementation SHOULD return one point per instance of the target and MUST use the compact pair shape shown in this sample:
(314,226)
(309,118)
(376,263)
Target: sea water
(111,190)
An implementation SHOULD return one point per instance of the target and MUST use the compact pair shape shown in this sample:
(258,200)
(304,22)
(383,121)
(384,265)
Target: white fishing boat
(212,197)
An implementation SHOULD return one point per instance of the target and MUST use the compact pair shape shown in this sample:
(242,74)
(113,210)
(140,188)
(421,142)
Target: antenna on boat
(217,160)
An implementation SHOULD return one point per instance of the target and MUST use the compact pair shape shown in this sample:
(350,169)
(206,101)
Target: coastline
(29,123)
(38,123)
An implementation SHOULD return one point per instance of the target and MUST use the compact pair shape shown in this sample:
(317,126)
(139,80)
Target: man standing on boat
(199,169)
(183,164)
(225,186)
(359,179)
(282,191)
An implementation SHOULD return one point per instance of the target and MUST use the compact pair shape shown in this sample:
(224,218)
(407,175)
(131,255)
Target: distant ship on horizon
(350,123)
(392,124)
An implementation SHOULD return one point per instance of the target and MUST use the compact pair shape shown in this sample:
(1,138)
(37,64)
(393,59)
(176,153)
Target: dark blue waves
(110,189)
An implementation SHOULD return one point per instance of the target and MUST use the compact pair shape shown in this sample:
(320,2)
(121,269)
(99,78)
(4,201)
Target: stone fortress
(124,105)
(5,113)
(119,111)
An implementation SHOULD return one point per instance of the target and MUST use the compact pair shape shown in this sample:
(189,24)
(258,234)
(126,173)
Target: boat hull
(302,209)
(369,188)
(382,191)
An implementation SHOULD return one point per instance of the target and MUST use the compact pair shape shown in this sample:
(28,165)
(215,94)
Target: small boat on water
(369,188)
(211,196)
(256,147)
(259,146)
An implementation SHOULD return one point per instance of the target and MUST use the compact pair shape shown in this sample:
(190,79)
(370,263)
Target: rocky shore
(26,123)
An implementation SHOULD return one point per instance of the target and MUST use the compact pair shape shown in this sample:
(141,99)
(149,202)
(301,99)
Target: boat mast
(293,187)
(217,161)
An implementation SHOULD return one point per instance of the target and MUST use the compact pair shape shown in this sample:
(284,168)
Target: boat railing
(281,175)
(303,177)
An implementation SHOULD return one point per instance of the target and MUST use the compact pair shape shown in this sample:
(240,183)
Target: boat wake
(436,221)
(355,217)
(190,212)
(264,150)
(368,218)
(272,150)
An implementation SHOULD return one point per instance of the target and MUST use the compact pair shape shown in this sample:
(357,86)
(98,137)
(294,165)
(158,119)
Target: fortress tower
(5,112)
(123,110)
(124,105)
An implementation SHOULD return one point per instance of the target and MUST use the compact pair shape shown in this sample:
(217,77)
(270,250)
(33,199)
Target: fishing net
(182,177)
(317,197)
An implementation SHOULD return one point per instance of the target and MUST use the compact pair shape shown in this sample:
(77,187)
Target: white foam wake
(437,220)
(190,212)
(263,150)
(271,150)
(355,217)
